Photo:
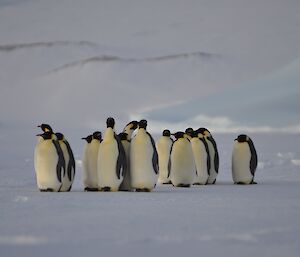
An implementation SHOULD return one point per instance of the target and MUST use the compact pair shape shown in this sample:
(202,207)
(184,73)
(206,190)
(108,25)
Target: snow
(218,220)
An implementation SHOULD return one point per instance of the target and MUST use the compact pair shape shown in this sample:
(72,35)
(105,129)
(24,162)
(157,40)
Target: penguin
(201,157)
(143,160)
(69,175)
(126,183)
(213,155)
(111,161)
(163,146)
(130,128)
(49,163)
(182,165)
(244,160)
(89,161)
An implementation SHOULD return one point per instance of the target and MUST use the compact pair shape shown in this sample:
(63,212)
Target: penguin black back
(121,161)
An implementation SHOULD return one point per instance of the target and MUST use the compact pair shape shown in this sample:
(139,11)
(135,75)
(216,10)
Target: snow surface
(218,220)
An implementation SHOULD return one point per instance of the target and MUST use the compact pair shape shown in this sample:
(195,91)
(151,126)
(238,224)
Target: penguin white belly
(182,163)
(200,157)
(45,162)
(163,147)
(212,172)
(241,157)
(66,183)
(141,166)
(107,164)
(90,177)
(126,183)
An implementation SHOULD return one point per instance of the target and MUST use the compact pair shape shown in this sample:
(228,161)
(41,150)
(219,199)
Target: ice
(218,220)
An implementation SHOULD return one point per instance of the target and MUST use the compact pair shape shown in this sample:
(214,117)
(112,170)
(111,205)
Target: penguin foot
(47,190)
(105,189)
(69,189)
(253,183)
(90,189)
(183,185)
(142,190)
(241,183)
(198,184)
(167,183)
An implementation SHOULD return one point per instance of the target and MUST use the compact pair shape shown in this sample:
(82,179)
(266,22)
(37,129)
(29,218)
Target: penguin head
(195,134)
(110,122)
(204,131)
(123,136)
(60,136)
(242,138)
(97,135)
(189,131)
(143,124)
(166,133)
(47,135)
(45,127)
(179,134)
(132,125)
(88,138)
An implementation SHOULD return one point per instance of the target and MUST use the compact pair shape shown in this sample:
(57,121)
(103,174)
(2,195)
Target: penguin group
(54,161)
(133,161)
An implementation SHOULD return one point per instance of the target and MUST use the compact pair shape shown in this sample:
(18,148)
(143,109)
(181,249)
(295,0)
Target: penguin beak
(83,138)
(39,135)
(38,126)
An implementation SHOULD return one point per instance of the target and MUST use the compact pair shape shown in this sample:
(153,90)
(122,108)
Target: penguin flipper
(253,160)
(61,161)
(155,155)
(169,163)
(71,164)
(121,161)
(216,159)
(208,156)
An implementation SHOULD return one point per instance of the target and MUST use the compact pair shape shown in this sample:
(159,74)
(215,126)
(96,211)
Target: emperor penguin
(143,160)
(244,160)
(201,157)
(182,165)
(89,161)
(213,155)
(163,146)
(126,183)
(49,163)
(111,161)
(130,128)
(68,178)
